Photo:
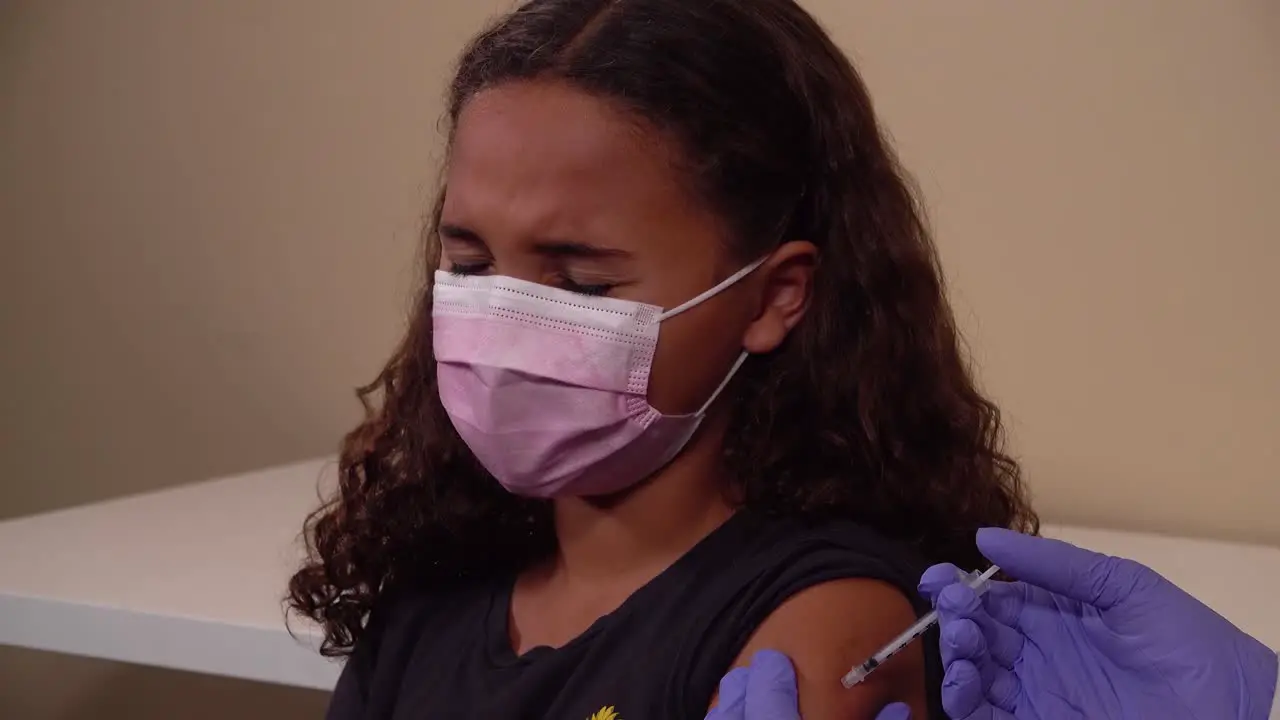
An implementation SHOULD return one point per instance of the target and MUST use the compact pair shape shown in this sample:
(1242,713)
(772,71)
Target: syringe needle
(860,672)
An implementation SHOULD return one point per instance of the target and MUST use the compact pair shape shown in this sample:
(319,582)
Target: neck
(645,529)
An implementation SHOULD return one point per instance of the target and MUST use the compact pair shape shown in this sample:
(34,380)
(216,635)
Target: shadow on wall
(87,689)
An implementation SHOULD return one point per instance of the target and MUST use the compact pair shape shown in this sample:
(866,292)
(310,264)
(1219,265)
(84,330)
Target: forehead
(542,158)
(552,131)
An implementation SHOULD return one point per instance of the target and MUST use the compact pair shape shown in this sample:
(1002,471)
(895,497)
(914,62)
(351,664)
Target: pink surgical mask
(549,387)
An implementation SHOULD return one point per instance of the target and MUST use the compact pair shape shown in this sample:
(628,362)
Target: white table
(192,578)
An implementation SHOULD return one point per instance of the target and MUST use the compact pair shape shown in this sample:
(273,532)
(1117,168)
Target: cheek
(695,351)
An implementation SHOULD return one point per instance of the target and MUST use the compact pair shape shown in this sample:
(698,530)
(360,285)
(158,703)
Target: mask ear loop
(724,285)
(724,383)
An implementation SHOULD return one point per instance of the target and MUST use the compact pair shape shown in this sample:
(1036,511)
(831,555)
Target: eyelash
(567,284)
(593,290)
(468,269)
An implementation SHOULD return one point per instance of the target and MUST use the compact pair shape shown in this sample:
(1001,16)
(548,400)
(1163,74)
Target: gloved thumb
(1062,568)
(771,692)
(896,711)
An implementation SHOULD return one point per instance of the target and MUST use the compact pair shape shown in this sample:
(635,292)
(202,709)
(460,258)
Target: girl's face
(551,185)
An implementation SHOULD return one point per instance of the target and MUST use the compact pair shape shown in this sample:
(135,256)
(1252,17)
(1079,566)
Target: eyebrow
(457,232)
(569,249)
(549,247)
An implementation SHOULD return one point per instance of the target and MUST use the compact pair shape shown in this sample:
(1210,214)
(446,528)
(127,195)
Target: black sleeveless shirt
(446,653)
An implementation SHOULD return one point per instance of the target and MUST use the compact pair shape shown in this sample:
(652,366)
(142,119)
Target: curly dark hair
(866,412)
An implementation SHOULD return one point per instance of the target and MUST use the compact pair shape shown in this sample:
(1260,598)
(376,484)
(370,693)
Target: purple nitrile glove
(766,690)
(1083,635)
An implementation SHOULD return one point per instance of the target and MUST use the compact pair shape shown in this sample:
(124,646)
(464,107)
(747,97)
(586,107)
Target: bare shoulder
(829,628)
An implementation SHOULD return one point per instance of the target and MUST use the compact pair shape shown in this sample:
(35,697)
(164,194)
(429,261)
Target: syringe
(974,580)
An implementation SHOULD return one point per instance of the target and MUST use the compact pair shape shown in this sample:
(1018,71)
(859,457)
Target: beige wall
(208,210)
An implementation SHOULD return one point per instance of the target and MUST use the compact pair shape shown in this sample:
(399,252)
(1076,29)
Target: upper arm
(826,630)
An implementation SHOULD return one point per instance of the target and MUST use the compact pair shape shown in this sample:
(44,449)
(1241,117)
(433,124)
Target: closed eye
(594,290)
(477,268)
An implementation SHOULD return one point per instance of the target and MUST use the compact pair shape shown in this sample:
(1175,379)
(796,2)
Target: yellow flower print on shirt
(605,713)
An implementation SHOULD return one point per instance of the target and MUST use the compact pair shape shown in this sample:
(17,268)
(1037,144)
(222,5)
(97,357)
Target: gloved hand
(766,690)
(1084,635)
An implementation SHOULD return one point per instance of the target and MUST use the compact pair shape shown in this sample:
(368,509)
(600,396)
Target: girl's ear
(786,287)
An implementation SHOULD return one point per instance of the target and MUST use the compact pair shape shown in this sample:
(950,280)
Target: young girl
(682,384)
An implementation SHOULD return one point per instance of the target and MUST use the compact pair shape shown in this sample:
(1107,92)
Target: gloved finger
(731,698)
(936,578)
(720,712)
(986,711)
(963,640)
(962,692)
(1003,690)
(1005,601)
(771,688)
(1062,568)
(896,711)
(963,696)
(1003,642)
